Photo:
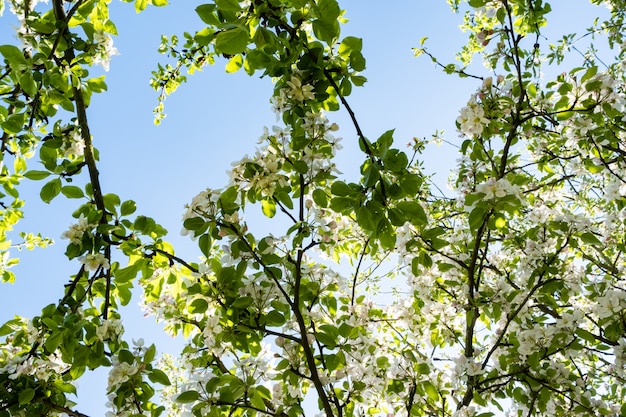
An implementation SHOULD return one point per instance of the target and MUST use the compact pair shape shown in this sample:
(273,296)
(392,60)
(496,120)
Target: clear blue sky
(216,118)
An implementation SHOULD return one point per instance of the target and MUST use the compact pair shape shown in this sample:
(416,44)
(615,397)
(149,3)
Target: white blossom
(104,49)
(93,261)
(472,120)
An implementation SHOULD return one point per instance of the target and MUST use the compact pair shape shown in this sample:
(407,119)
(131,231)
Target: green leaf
(159,377)
(19,164)
(326,339)
(72,191)
(15,56)
(395,161)
(410,184)
(65,387)
(357,61)
(274,319)
(126,355)
(371,173)
(242,302)
(128,207)
(50,190)
(9,327)
(340,189)
(14,123)
(256,399)
(269,207)
(257,59)
(365,218)
(77,371)
(194,223)
(124,275)
(327,31)
(198,306)
(431,391)
(53,341)
(263,37)
(36,175)
(341,204)
(124,294)
(590,239)
(476,217)
(232,42)
(188,397)
(204,243)
(26,396)
(358,80)
(207,14)
(97,85)
(350,44)
(28,84)
(384,142)
(320,198)
(386,234)
(328,9)
(231,6)
(345,87)
(414,212)
(150,354)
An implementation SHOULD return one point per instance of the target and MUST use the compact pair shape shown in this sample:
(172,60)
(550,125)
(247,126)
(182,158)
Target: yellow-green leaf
(234,64)
(269,207)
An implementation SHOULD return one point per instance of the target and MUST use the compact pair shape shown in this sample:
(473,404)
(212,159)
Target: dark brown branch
(356,272)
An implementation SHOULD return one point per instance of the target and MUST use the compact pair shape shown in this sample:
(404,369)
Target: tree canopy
(378,295)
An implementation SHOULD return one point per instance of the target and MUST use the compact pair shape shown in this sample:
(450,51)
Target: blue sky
(216,118)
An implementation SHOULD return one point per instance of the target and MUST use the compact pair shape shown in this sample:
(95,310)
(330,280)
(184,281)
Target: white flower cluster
(464,367)
(212,329)
(183,377)
(614,189)
(77,230)
(494,189)
(620,358)
(203,205)
(299,91)
(120,373)
(43,369)
(472,120)
(163,305)
(611,303)
(295,92)
(94,261)
(104,49)
(266,176)
(73,145)
(110,329)
(320,131)
(261,289)
(330,226)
